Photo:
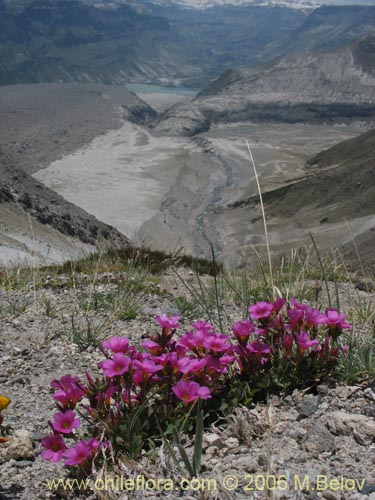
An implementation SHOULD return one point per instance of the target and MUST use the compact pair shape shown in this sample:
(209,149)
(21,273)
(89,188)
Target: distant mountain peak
(297,4)
(205,4)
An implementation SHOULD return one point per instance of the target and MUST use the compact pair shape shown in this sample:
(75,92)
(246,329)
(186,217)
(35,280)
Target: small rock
(245,463)
(19,447)
(38,436)
(329,495)
(308,406)
(212,451)
(365,434)
(369,394)
(20,380)
(365,285)
(262,460)
(232,443)
(322,389)
(23,463)
(319,439)
(290,416)
(361,426)
(213,440)
(368,489)
(345,392)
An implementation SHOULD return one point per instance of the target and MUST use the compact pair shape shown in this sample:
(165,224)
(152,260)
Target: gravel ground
(301,443)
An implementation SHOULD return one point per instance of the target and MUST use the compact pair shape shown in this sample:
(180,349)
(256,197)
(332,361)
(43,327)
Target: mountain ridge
(51,40)
(332,86)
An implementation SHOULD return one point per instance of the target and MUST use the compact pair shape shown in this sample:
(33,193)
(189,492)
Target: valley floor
(172,192)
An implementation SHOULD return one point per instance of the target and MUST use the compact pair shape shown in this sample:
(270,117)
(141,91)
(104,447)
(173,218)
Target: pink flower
(204,326)
(168,322)
(65,383)
(261,310)
(187,365)
(111,390)
(305,317)
(336,320)
(303,341)
(153,347)
(190,391)
(144,370)
(295,318)
(214,365)
(278,305)
(260,331)
(116,366)
(299,305)
(116,344)
(69,398)
(93,444)
(78,454)
(243,329)
(216,342)
(162,359)
(226,360)
(313,317)
(258,347)
(65,422)
(193,340)
(55,448)
(287,342)
(146,366)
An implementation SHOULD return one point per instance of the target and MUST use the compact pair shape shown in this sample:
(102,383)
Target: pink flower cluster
(198,364)
(68,393)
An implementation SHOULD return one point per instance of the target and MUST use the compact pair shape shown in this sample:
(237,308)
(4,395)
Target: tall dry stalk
(263,215)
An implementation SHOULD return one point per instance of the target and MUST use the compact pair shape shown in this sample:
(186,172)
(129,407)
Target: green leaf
(197,457)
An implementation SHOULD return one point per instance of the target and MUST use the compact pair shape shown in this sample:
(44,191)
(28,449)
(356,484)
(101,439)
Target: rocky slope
(331,26)
(329,434)
(339,186)
(36,222)
(39,123)
(331,86)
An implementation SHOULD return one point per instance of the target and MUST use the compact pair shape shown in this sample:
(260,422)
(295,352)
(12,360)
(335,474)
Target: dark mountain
(231,36)
(340,179)
(331,86)
(65,40)
(331,27)
(339,187)
(227,36)
(140,40)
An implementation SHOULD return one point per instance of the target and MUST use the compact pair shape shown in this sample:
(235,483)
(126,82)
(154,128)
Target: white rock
(232,443)
(213,440)
(19,446)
